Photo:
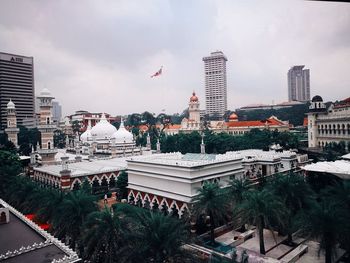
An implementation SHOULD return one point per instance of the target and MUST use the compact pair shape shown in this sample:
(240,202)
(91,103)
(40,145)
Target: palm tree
(71,214)
(237,189)
(103,237)
(50,201)
(324,222)
(295,193)
(156,237)
(212,201)
(260,208)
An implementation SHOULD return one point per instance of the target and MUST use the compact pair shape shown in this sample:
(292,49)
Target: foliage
(155,237)
(295,194)
(59,139)
(325,222)
(104,238)
(211,201)
(260,208)
(27,138)
(122,184)
(223,142)
(294,114)
(9,167)
(71,214)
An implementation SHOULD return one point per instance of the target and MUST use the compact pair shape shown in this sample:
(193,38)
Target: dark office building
(16,83)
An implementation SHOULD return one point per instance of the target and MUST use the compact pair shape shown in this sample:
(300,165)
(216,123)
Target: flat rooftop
(340,168)
(86,167)
(186,160)
(26,242)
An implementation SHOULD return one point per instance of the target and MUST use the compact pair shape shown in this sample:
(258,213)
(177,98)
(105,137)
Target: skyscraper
(299,84)
(17,84)
(215,84)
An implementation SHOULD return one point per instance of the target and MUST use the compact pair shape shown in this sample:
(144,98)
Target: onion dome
(122,135)
(193,98)
(10,105)
(86,135)
(233,117)
(45,93)
(103,129)
(317,98)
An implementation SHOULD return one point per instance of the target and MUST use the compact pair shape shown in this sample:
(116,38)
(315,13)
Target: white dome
(10,105)
(123,135)
(86,135)
(45,93)
(103,129)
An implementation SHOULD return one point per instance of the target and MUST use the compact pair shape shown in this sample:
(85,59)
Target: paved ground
(110,201)
(312,255)
(253,243)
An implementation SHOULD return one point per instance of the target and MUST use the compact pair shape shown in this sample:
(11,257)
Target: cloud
(98,55)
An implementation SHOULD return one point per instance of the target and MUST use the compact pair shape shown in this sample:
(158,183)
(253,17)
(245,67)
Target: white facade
(328,125)
(215,83)
(173,179)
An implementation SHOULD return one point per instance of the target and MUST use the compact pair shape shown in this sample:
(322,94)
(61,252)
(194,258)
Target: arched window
(47,120)
(3,218)
(49,145)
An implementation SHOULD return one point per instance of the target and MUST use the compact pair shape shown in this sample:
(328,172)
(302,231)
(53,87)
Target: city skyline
(108,59)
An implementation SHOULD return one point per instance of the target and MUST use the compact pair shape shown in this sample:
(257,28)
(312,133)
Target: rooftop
(86,167)
(340,168)
(23,241)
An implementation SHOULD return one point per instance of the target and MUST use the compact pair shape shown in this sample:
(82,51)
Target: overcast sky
(99,55)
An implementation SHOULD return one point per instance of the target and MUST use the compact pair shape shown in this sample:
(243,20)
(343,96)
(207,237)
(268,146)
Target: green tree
(324,222)
(296,195)
(155,237)
(71,214)
(122,184)
(59,139)
(260,208)
(9,168)
(211,201)
(238,188)
(103,237)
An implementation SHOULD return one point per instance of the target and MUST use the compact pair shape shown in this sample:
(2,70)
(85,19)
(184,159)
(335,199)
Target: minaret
(12,129)
(46,128)
(158,146)
(202,146)
(148,144)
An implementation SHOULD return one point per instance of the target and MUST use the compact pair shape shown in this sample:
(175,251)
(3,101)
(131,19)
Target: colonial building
(232,126)
(85,118)
(328,125)
(12,130)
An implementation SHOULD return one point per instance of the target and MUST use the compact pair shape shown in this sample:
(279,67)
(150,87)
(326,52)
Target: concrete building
(16,83)
(86,119)
(298,84)
(12,130)
(328,125)
(215,84)
(168,182)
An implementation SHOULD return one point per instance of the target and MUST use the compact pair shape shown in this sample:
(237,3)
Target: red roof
(306,122)
(268,122)
(42,226)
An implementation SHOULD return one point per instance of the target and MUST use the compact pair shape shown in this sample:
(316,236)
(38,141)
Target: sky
(99,55)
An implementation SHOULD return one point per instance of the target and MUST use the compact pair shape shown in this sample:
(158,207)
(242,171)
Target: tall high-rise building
(56,111)
(298,84)
(17,84)
(215,84)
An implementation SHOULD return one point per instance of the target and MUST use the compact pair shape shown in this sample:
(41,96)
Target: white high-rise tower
(215,84)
